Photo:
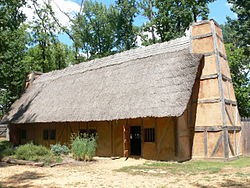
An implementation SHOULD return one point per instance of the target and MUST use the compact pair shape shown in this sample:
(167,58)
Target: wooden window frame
(49,134)
(149,134)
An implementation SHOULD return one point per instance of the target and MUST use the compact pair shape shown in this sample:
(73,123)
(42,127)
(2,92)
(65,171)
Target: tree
(93,30)
(173,17)
(239,71)
(13,39)
(48,52)
(148,30)
(242,23)
(124,30)
(237,38)
(61,57)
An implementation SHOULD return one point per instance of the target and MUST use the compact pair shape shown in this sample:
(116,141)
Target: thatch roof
(155,81)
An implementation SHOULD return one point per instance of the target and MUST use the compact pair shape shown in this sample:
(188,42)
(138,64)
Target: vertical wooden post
(205,143)
(221,91)
(126,140)
(226,144)
(112,137)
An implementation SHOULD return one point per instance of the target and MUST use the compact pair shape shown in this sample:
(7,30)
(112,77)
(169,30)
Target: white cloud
(67,6)
(230,5)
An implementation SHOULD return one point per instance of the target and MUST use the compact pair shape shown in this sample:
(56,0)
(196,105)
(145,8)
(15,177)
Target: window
(49,134)
(46,134)
(23,134)
(88,132)
(149,135)
(52,134)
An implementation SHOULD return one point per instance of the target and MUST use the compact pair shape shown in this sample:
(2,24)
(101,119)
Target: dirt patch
(103,173)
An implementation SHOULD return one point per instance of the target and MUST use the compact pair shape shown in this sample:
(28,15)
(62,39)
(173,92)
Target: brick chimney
(217,123)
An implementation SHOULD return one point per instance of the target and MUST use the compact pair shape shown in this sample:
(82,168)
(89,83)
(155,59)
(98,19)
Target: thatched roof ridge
(137,53)
(155,81)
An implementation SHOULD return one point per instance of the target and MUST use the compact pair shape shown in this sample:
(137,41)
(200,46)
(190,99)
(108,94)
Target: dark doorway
(135,140)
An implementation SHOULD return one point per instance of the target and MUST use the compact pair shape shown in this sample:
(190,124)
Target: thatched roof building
(168,101)
(155,81)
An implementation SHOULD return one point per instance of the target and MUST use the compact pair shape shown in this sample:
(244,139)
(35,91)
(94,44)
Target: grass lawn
(192,167)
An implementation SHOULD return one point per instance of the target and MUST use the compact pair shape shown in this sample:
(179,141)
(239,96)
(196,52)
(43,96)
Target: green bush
(83,147)
(33,152)
(6,148)
(59,149)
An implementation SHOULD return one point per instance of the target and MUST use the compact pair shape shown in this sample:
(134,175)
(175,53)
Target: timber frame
(227,126)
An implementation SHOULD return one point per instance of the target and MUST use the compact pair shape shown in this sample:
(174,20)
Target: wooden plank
(223,56)
(61,135)
(201,22)
(216,100)
(228,115)
(209,53)
(231,147)
(226,144)
(224,77)
(211,76)
(205,143)
(221,39)
(126,139)
(112,137)
(219,141)
(202,36)
(216,128)
(176,138)
(221,90)
(227,101)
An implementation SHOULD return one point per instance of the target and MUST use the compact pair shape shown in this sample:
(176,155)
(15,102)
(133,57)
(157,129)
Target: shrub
(83,147)
(59,149)
(6,148)
(33,152)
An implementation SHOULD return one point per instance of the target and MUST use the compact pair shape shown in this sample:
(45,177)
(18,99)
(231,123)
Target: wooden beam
(216,128)
(223,56)
(231,147)
(221,39)
(209,53)
(210,76)
(227,101)
(216,100)
(205,143)
(226,144)
(202,36)
(221,91)
(201,22)
(224,77)
(216,148)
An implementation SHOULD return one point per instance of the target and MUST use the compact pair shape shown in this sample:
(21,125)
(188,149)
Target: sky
(219,10)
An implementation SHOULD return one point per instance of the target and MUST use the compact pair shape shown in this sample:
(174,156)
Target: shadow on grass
(21,180)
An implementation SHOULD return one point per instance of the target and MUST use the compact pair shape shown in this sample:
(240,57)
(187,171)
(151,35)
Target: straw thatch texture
(153,81)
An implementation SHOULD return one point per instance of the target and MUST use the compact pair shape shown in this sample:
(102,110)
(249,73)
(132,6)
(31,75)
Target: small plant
(31,152)
(59,149)
(83,146)
(6,148)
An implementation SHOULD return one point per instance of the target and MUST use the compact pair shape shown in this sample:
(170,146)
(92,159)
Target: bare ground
(102,173)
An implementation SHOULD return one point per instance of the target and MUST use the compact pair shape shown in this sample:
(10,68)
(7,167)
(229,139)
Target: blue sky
(219,10)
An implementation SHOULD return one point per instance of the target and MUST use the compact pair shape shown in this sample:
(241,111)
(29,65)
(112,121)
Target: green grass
(189,168)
